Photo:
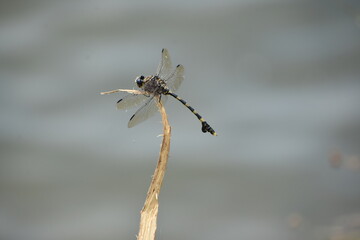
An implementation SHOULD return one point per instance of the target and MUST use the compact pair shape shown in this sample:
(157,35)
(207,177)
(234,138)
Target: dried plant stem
(150,210)
(122,90)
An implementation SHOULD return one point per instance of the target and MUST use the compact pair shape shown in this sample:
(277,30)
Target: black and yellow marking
(205,126)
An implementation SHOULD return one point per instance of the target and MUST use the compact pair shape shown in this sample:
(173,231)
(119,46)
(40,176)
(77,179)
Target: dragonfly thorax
(152,84)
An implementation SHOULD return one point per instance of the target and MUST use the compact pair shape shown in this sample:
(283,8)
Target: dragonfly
(154,87)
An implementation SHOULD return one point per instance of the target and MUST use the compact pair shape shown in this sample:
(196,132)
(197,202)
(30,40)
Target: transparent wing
(143,113)
(164,98)
(175,79)
(130,101)
(146,111)
(164,68)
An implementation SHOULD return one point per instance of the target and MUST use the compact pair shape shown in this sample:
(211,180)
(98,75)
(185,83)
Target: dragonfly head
(140,81)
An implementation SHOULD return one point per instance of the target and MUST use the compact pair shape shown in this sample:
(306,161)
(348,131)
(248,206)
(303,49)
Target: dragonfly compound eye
(140,81)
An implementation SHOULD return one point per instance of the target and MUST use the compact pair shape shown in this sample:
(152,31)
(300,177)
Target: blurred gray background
(278,80)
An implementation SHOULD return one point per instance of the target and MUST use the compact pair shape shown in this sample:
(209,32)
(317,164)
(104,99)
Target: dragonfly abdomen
(205,126)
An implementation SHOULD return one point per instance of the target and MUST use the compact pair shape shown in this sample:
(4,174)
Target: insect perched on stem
(164,83)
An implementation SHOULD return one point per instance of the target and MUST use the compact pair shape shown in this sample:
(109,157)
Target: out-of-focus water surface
(278,80)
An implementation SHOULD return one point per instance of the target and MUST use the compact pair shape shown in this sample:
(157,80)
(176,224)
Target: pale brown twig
(150,210)
(123,90)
